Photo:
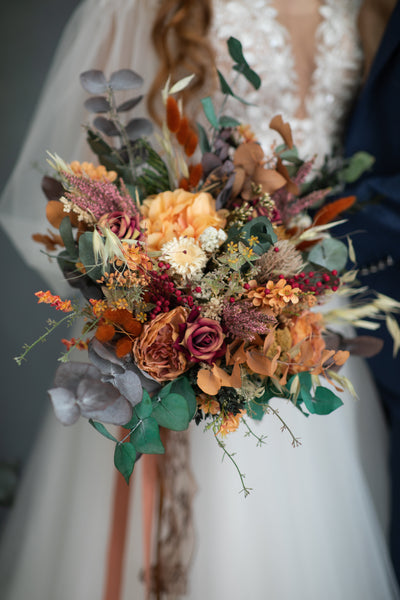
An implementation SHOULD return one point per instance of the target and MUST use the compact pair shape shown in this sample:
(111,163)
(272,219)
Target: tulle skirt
(312,527)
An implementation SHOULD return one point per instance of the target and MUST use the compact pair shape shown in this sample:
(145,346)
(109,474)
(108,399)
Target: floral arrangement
(204,265)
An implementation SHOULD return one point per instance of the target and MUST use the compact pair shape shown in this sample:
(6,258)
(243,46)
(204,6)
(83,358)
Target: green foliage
(68,238)
(87,257)
(203,139)
(209,111)
(226,89)
(171,411)
(101,429)
(330,253)
(260,227)
(236,52)
(356,166)
(124,459)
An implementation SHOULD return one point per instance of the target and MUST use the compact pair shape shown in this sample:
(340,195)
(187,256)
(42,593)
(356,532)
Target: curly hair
(180,38)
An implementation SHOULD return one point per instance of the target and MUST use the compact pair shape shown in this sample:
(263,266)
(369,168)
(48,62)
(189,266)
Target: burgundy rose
(123,225)
(203,339)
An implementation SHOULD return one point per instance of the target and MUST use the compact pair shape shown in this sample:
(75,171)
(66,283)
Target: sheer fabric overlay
(314,525)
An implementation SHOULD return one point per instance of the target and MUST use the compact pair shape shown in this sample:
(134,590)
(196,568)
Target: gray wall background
(29,32)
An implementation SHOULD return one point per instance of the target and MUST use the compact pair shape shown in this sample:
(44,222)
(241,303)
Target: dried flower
(202,339)
(155,352)
(184,256)
(287,260)
(179,213)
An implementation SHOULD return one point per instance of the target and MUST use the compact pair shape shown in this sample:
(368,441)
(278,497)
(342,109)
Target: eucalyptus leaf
(209,111)
(145,437)
(145,408)
(326,401)
(125,79)
(129,104)
(124,459)
(86,255)
(183,387)
(226,121)
(93,81)
(260,227)
(67,237)
(137,128)
(330,253)
(172,412)
(106,126)
(101,429)
(357,165)
(236,51)
(97,104)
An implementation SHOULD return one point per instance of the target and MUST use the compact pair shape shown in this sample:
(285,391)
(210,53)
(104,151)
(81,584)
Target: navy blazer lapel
(390,41)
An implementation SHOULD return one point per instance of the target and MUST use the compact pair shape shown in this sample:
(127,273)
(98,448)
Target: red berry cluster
(164,294)
(315,281)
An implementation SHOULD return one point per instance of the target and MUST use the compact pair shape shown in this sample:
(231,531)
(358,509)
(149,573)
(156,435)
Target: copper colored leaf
(330,211)
(269,179)
(284,130)
(248,156)
(208,382)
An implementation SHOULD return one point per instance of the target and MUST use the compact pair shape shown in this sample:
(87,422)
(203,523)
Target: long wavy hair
(180,38)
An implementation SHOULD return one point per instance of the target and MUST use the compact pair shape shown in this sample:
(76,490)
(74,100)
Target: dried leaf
(394,330)
(330,211)
(284,130)
(208,382)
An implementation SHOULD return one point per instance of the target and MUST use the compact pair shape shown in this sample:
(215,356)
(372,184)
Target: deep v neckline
(303,101)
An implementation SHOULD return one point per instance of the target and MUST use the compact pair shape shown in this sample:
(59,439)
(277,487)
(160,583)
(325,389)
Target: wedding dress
(314,525)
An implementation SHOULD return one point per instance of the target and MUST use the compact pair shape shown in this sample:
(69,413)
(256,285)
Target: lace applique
(268,49)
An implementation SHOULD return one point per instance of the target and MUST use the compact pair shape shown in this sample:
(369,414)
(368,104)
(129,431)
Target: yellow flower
(179,213)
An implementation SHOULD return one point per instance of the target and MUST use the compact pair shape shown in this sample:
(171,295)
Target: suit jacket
(374,126)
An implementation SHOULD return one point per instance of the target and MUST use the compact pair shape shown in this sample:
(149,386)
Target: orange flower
(119,321)
(230,423)
(49,298)
(208,405)
(179,213)
(154,350)
(99,173)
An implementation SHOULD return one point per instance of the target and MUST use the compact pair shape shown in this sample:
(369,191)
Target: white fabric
(314,526)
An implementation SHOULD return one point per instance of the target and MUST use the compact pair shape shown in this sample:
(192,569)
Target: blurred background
(29,33)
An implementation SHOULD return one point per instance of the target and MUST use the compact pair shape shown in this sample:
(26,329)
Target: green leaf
(225,121)
(209,111)
(225,87)
(236,51)
(68,238)
(172,412)
(325,401)
(65,261)
(182,387)
(261,227)
(358,164)
(86,255)
(255,409)
(146,437)
(203,139)
(124,459)
(330,253)
(145,407)
(101,429)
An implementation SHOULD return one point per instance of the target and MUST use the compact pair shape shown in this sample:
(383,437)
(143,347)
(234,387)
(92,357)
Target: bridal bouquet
(204,265)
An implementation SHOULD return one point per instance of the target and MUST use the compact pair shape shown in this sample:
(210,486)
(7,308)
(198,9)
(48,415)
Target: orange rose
(179,213)
(307,331)
(154,350)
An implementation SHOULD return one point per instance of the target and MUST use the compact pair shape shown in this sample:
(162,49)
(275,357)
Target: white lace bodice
(268,49)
